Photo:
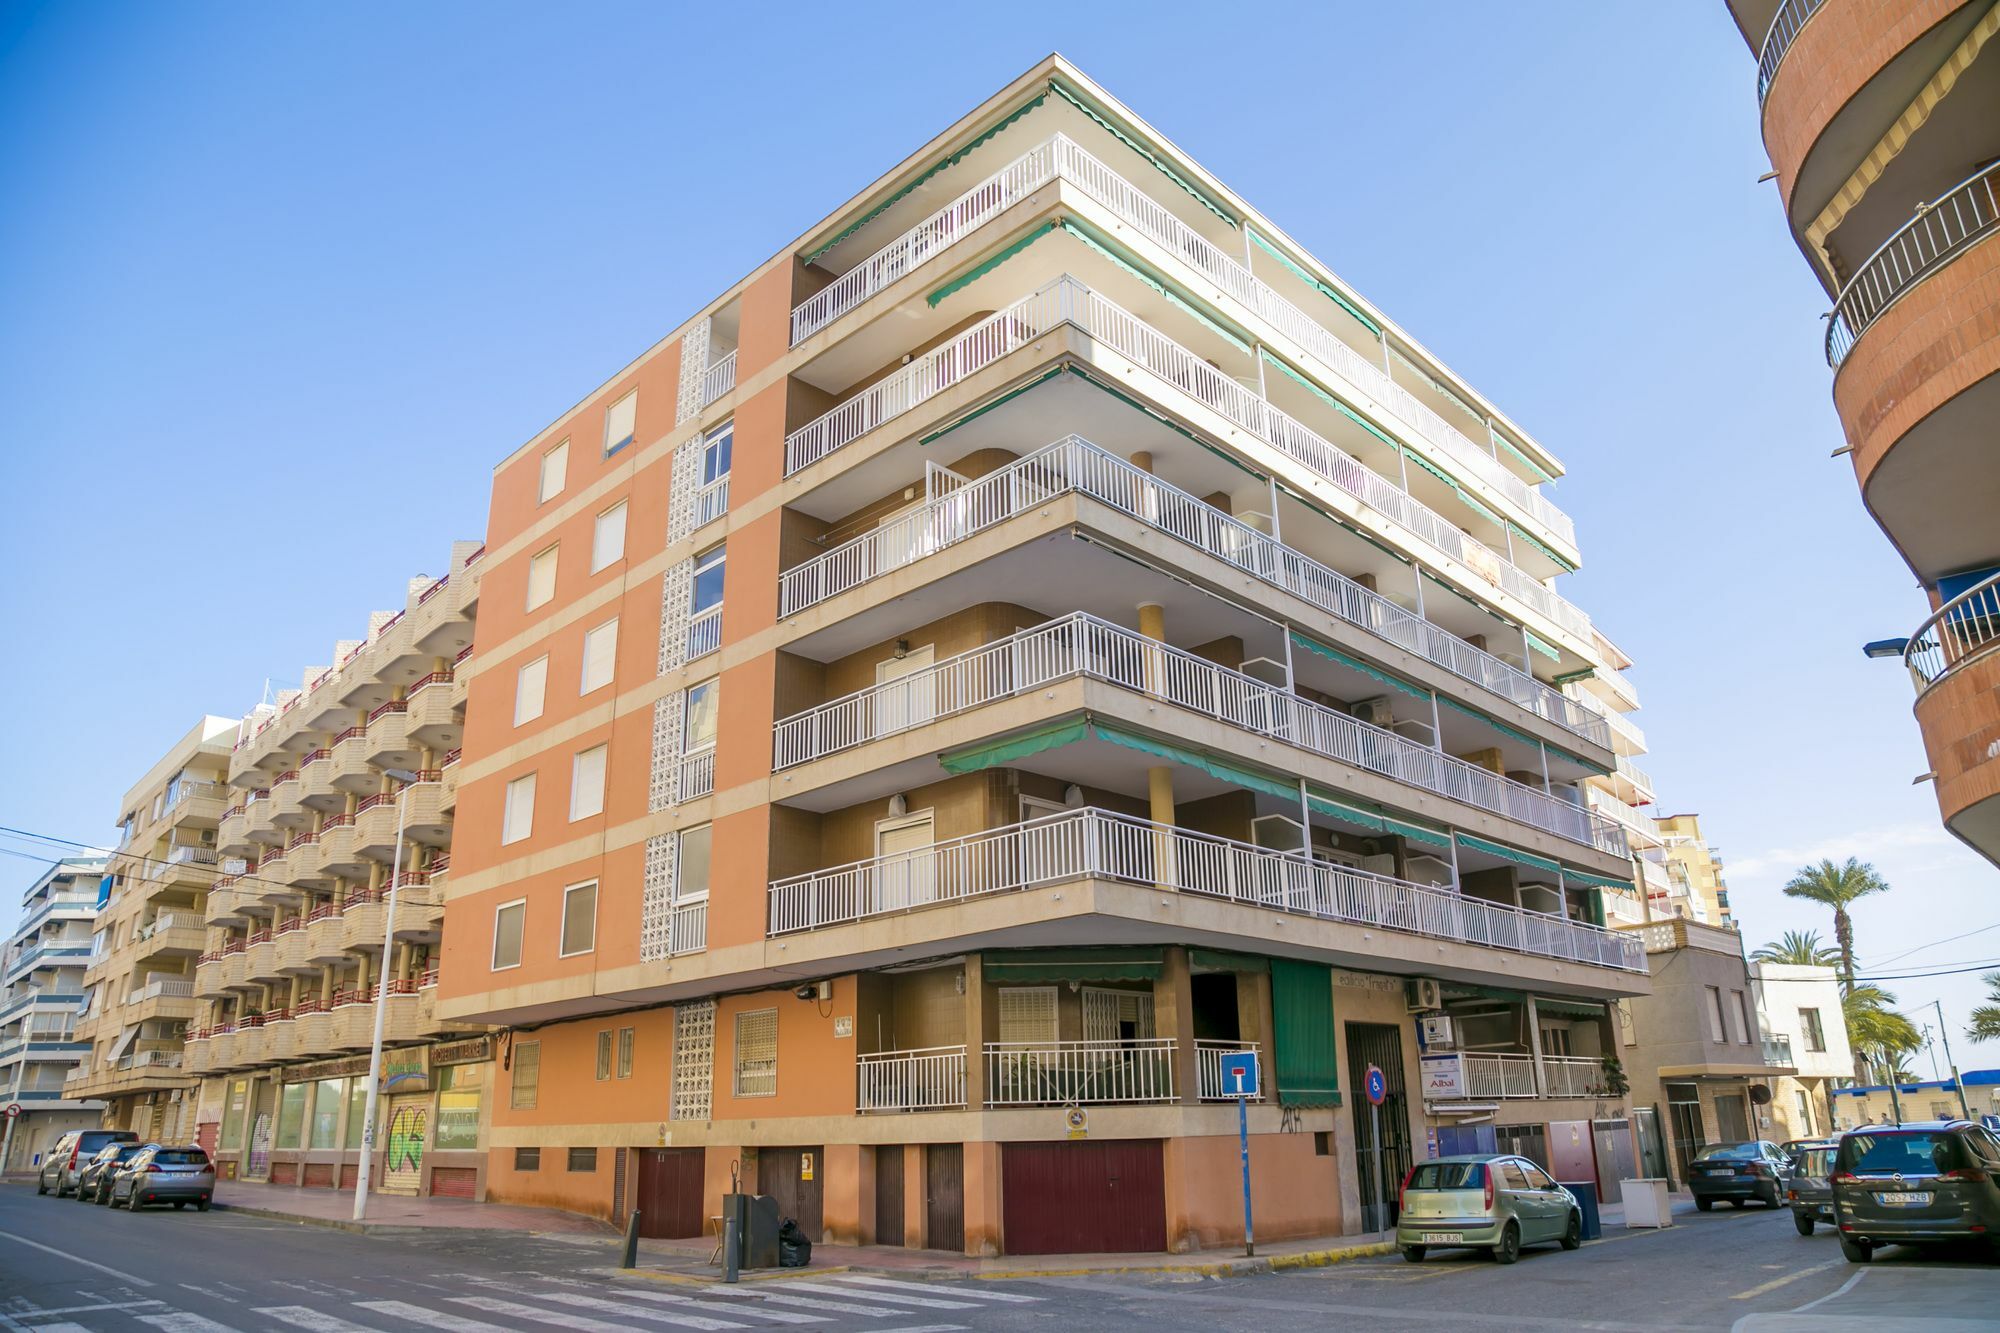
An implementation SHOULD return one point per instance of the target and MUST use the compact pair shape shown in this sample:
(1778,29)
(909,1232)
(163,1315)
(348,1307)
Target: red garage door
(1092,1197)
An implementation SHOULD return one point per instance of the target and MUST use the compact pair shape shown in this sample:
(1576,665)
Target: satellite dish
(1760,1095)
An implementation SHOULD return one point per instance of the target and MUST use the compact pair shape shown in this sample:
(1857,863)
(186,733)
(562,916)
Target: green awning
(1218,960)
(1358,816)
(1518,735)
(1143,149)
(1527,462)
(1566,566)
(991,262)
(1546,649)
(1569,1008)
(1584,674)
(1031,966)
(1307,278)
(1578,878)
(1007,749)
(953,160)
(1187,304)
(1307,1070)
(1313,645)
(994,754)
(1436,837)
(1507,853)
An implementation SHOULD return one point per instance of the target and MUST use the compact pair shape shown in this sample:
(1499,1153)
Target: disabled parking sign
(1375,1085)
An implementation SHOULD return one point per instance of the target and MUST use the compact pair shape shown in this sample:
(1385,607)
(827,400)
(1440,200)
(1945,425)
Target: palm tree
(1986,1017)
(1880,1036)
(1837,886)
(1798,948)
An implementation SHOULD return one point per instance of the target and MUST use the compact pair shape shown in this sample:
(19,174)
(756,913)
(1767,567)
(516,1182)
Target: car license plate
(1907,1199)
(1442,1237)
(1720,1171)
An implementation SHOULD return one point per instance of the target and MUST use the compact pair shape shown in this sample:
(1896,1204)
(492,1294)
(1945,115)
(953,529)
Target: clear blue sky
(279,285)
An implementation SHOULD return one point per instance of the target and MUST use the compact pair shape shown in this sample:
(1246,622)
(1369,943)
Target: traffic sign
(1375,1085)
(13,1110)
(1239,1074)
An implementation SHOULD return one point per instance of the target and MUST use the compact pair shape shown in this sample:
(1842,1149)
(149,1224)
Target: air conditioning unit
(1384,864)
(1379,712)
(1423,993)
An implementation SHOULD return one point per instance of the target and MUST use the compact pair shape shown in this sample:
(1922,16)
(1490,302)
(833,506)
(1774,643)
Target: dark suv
(1920,1183)
(71,1154)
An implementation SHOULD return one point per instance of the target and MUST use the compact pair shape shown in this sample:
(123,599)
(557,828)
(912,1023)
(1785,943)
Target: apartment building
(1693,870)
(1805,1027)
(140,976)
(41,994)
(336,845)
(1038,634)
(1885,146)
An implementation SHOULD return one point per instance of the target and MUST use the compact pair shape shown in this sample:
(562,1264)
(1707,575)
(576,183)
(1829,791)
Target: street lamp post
(408,779)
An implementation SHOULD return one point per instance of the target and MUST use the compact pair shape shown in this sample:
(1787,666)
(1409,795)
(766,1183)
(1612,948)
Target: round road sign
(1375,1085)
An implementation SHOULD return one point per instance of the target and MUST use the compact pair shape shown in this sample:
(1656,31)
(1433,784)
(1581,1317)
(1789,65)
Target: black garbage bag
(794,1250)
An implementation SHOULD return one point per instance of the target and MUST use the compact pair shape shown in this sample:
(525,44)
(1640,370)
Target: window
(232,1114)
(715,450)
(1537,1177)
(1715,1014)
(757,1053)
(698,728)
(517,818)
(708,571)
(1739,1018)
(583,1159)
(527,1075)
(579,919)
(1555,1039)
(460,1088)
(1805,1115)
(292,1115)
(586,783)
(1815,1032)
(531,684)
(357,1109)
(600,651)
(627,1038)
(607,539)
(621,423)
(691,866)
(555,471)
(604,1054)
(1511,1175)
(507,922)
(542,576)
(328,1095)
(527,1159)
(1028,1014)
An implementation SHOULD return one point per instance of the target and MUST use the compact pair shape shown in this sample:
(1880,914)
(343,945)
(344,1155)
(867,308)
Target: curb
(377,1228)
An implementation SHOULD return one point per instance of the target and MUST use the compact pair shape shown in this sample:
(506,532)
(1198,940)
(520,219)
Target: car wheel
(80,1196)
(104,1194)
(133,1202)
(41,1185)
(179,1204)
(1573,1234)
(1803,1223)
(1857,1251)
(1509,1248)
(201,1205)
(1703,1205)
(1413,1253)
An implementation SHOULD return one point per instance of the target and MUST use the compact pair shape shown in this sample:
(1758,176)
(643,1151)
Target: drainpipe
(1535,1045)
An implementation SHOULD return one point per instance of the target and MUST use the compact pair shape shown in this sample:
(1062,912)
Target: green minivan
(1497,1204)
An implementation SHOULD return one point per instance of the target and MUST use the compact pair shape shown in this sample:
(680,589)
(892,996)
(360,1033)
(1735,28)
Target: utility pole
(1957,1083)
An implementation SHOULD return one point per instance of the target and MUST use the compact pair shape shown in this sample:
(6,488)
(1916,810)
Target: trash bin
(1647,1203)
(756,1217)
(1586,1203)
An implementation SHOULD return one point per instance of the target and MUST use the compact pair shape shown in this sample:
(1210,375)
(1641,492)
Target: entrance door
(792,1176)
(1684,1113)
(670,1192)
(944,1197)
(1381,1045)
(408,1133)
(889,1194)
(1732,1118)
(257,1158)
(907,874)
(1617,1155)
(1097,1196)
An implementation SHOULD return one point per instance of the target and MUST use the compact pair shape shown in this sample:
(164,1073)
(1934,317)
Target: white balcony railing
(1082,645)
(1209,1082)
(1603,804)
(1965,627)
(688,929)
(1076,465)
(704,632)
(927,1080)
(1938,234)
(718,379)
(1063,1073)
(697,774)
(1062,157)
(1572,1076)
(1486,1077)
(711,501)
(1637,776)
(1785,24)
(1092,843)
(1068,301)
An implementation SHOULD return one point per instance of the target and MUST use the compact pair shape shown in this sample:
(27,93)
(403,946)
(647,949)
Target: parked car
(1740,1172)
(59,1169)
(1497,1204)
(1809,1195)
(179,1176)
(1917,1183)
(93,1183)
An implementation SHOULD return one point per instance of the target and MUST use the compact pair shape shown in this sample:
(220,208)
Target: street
(66,1267)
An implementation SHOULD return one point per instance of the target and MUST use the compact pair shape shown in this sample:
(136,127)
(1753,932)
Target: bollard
(631,1259)
(731,1245)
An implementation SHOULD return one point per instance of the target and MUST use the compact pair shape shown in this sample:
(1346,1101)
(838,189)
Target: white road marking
(34,1313)
(417,1314)
(803,1302)
(180,1321)
(133,1279)
(1842,1290)
(1763,1288)
(599,1303)
(64,1327)
(927,1328)
(964,1290)
(204,1291)
(299,1316)
(775,1316)
(930,1303)
(582,1323)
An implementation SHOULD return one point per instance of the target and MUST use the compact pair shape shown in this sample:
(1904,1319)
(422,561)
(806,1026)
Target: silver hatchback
(179,1176)
(1496,1204)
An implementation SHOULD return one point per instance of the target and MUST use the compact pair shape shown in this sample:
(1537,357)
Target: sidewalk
(390,1213)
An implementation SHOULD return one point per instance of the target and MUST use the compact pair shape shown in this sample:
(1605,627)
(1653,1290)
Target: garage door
(1093,1197)
(671,1184)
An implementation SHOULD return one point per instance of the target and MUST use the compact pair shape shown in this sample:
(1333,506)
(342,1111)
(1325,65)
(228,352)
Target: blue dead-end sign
(1239,1074)
(1376,1085)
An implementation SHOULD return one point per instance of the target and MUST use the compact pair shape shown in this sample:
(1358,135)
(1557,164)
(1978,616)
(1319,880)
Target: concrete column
(975,1043)
(847,1194)
(983,1227)
(1173,1016)
(1160,777)
(326,983)
(1535,1045)
(361,972)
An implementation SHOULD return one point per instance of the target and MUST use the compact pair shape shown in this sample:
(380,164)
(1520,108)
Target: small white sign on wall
(843,1026)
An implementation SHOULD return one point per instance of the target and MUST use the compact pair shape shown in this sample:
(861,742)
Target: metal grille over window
(664,787)
(694,1060)
(694,365)
(656,908)
(675,588)
(757,1053)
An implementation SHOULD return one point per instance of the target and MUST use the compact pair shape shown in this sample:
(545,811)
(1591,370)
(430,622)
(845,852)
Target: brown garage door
(670,1192)
(1103,1196)
(793,1176)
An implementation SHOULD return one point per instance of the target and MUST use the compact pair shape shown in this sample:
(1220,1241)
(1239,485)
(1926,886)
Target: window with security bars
(757,1053)
(527,1085)
(527,1159)
(1115,1015)
(626,1040)
(1027,1013)
(604,1054)
(583,1159)
(694,1060)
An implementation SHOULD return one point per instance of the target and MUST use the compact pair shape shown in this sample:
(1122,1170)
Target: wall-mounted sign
(1444,1078)
(805,1166)
(843,1026)
(470,1051)
(1077,1122)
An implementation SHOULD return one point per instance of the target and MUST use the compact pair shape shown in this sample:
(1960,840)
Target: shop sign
(341,1068)
(406,1070)
(1444,1078)
(470,1051)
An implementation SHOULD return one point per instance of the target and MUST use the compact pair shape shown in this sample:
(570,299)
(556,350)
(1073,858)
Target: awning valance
(1312,645)
(1505,853)
(1218,960)
(1033,966)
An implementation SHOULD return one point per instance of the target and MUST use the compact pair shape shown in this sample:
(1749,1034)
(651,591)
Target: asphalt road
(66,1267)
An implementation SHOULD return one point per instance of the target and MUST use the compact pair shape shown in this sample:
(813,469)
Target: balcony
(431,718)
(1938,234)
(711,502)
(286,812)
(1075,465)
(281,1037)
(1341,367)
(1954,663)
(718,379)
(351,771)
(316,779)
(1964,628)
(195,804)
(337,848)
(387,741)
(168,935)
(688,927)
(697,774)
(924,1080)
(1092,843)
(1082,645)
(1069,301)
(704,633)
(169,997)
(291,945)
(1209,1081)
(312,1023)
(1785,25)
(1645,832)
(1079,1073)
(1503,1076)
(375,827)
(361,920)
(325,935)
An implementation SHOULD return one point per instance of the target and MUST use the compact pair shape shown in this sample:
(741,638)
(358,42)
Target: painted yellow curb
(1238,1267)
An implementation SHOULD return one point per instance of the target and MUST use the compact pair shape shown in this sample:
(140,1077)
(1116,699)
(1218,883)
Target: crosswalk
(539,1303)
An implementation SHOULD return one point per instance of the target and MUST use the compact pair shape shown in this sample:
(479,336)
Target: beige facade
(1694,871)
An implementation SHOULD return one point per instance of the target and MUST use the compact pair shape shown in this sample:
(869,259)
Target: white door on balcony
(906,868)
(1116,1015)
(906,692)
